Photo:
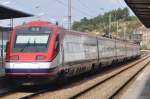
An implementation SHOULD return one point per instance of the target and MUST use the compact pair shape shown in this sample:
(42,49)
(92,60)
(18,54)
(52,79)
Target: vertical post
(11,26)
(2,51)
(116,40)
(124,31)
(109,25)
(117,30)
(97,47)
(12,22)
(116,47)
(69,14)
(125,38)
(116,34)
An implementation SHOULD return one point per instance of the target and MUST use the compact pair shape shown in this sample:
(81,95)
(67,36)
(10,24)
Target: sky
(56,10)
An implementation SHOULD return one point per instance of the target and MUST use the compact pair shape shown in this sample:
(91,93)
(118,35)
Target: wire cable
(75,8)
(86,6)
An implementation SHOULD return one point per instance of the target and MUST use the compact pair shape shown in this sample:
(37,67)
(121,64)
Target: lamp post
(69,14)
(40,15)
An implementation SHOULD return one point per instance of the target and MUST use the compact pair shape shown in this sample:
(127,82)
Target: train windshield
(31,41)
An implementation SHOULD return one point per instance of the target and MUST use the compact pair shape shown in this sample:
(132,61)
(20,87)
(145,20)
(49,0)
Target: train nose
(27,68)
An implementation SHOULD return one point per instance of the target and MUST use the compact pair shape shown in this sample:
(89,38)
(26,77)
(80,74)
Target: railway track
(109,87)
(96,87)
(12,93)
(21,92)
(104,86)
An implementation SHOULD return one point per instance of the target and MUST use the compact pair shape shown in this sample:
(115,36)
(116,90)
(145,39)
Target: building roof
(8,13)
(5,28)
(141,8)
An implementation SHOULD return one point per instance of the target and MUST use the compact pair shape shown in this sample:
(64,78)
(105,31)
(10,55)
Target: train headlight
(40,57)
(14,57)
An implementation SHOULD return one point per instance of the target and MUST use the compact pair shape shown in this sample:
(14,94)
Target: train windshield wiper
(35,44)
(25,46)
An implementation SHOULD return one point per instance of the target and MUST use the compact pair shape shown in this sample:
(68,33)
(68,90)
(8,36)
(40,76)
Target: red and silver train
(40,51)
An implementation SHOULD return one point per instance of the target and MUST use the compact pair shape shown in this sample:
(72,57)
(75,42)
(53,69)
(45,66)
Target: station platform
(140,89)
(2,70)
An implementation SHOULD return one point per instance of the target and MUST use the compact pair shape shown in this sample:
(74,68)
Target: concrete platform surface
(2,70)
(140,89)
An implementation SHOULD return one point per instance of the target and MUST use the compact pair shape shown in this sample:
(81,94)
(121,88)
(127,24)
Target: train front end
(31,52)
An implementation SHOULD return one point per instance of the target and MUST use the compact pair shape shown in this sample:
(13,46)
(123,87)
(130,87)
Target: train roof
(91,35)
(37,23)
(46,23)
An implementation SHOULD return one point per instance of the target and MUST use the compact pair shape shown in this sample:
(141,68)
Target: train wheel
(94,69)
(100,67)
(62,79)
(113,62)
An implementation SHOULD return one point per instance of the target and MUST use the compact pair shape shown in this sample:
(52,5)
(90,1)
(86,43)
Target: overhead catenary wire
(119,1)
(86,6)
(74,8)
(60,2)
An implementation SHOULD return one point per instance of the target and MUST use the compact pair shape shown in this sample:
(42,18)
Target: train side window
(57,43)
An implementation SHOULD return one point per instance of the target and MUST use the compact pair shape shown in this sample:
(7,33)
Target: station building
(143,35)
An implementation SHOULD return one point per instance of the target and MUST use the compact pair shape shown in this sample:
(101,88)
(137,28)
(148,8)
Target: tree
(100,23)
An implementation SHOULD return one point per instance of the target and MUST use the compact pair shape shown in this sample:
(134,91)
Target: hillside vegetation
(100,23)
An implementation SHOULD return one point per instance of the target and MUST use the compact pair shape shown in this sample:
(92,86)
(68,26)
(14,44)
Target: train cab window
(32,40)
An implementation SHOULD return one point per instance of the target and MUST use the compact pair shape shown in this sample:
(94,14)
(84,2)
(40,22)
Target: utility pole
(124,31)
(2,51)
(116,34)
(109,25)
(117,30)
(69,14)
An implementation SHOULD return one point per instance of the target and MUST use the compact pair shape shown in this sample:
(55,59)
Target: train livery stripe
(32,65)
(27,70)
(31,74)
